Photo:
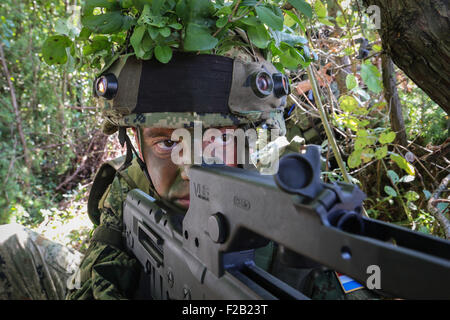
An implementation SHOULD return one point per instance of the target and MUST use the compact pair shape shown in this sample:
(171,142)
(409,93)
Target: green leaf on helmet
(176,26)
(269,17)
(136,40)
(54,49)
(110,22)
(165,32)
(250,21)
(221,22)
(198,38)
(302,6)
(163,53)
(259,36)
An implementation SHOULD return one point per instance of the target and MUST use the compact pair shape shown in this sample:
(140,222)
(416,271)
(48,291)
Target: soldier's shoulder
(111,184)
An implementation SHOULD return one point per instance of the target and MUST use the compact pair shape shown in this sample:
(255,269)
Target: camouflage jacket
(109,272)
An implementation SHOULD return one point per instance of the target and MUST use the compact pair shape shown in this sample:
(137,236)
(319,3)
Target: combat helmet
(234,89)
(238,88)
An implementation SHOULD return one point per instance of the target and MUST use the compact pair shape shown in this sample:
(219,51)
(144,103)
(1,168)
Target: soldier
(156,99)
(222,92)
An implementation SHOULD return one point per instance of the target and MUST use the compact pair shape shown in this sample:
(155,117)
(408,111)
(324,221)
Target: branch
(435,211)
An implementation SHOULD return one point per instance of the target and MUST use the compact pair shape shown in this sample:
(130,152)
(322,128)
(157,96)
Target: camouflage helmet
(237,88)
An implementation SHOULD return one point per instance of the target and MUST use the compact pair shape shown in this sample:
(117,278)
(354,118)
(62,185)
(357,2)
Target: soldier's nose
(185,172)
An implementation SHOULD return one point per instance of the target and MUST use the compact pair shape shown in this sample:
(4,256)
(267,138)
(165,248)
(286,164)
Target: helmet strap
(125,139)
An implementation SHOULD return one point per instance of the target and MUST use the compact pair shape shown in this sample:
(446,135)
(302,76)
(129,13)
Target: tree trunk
(416,35)
(26,153)
(392,100)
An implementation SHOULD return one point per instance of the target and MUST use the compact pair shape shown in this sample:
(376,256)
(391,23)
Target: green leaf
(320,9)
(402,163)
(326,22)
(393,175)
(107,23)
(259,36)
(197,38)
(390,191)
(367,154)
(250,21)
(61,27)
(268,16)
(163,53)
(176,26)
(371,77)
(165,32)
(54,49)
(380,153)
(153,32)
(84,34)
(221,22)
(355,159)
(136,40)
(351,81)
(226,10)
(302,6)
(387,137)
(156,6)
(341,21)
(97,44)
(412,196)
(361,142)
(348,103)
(289,56)
(294,17)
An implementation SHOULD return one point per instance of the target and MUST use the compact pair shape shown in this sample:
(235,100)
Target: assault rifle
(209,253)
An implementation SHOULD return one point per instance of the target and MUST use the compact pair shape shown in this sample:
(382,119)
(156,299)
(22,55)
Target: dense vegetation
(50,141)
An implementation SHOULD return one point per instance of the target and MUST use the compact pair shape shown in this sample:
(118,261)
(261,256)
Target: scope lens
(281,85)
(262,84)
(106,86)
(102,84)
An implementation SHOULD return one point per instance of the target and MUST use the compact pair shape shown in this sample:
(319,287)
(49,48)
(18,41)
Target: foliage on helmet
(155,28)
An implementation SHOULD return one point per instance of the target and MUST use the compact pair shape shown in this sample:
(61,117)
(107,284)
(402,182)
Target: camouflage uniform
(107,270)
(32,267)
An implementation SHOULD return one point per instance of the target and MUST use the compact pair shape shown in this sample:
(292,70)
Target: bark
(416,35)
(16,109)
(393,101)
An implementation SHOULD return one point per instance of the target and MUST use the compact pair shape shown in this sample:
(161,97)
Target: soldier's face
(170,180)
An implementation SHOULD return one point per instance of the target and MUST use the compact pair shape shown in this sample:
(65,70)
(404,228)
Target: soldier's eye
(166,144)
